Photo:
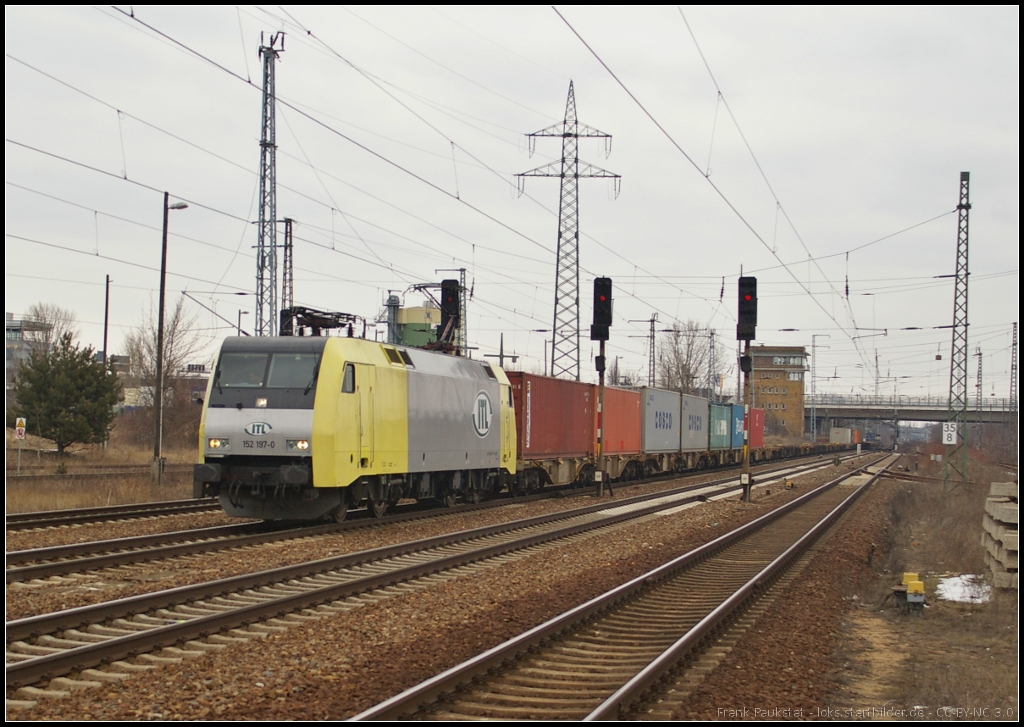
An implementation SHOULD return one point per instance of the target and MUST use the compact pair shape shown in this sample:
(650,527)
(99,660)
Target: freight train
(306,428)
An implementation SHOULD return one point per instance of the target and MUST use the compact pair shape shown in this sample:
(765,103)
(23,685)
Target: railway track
(80,516)
(605,658)
(58,518)
(193,619)
(27,565)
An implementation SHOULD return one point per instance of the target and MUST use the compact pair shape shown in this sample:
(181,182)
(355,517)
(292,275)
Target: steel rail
(74,659)
(145,548)
(618,704)
(26,520)
(446,682)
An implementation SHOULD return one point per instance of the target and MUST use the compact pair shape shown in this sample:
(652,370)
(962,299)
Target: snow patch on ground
(965,589)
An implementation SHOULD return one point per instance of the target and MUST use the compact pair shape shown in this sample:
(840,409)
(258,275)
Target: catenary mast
(266,240)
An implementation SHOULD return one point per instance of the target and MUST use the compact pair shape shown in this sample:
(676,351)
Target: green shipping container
(721,426)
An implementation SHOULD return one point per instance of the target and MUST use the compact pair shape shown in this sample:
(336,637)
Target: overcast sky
(405,126)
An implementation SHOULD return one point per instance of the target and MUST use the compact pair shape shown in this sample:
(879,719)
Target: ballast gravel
(337,666)
(64,592)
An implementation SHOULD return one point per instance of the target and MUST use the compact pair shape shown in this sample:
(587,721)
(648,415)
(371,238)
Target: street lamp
(158,394)
(240,314)
(546,342)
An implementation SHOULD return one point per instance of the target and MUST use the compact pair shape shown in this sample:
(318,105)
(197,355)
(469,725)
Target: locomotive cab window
(245,370)
(348,383)
(292,370)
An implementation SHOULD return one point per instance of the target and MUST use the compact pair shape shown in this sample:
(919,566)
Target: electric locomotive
(305,428)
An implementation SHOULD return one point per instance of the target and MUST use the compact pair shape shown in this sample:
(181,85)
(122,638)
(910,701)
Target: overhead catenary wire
(715,187)
(319,154)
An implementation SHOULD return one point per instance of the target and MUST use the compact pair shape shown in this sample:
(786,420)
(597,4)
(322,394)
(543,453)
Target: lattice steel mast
(288,275)
(1013,370)
(565,346)
(956,450)
(266,240)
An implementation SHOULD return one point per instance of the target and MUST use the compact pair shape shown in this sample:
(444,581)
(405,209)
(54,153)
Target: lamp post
(240,314)
(158,393)
(546,342)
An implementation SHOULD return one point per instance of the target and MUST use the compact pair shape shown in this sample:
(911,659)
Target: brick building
(777,380)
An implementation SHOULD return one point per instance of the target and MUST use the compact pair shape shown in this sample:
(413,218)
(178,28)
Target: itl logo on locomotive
(258,429)
(482,413)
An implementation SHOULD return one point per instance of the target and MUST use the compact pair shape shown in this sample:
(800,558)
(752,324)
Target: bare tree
(182,343)
(53,321)
(685,358)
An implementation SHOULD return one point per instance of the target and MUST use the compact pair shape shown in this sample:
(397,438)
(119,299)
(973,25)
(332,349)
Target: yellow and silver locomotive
(307,427)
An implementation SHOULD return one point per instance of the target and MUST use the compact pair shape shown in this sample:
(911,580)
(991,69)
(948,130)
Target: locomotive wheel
(340,514)
(377,509)
(473,497)
(448,498)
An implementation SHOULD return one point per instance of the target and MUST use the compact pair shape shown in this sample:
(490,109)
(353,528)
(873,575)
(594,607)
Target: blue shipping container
(737,426)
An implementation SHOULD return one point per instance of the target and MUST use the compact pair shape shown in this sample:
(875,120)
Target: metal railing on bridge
(938,403)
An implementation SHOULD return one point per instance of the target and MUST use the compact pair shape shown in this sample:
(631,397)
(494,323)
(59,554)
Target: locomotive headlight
(297,445)
(218,443)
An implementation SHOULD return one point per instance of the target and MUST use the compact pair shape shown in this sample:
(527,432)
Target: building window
(795,376)
(783,422)
(783,405)
(783,390)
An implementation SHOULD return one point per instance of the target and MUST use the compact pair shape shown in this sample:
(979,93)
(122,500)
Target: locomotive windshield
(245,370)
(283,370)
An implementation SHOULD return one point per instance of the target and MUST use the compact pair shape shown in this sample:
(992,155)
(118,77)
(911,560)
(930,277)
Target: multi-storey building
(24,337)
(777,381)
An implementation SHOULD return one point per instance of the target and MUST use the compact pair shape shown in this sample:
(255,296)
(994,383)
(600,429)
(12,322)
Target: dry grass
(50,482)
(963,656)
(958,655)
(71,492)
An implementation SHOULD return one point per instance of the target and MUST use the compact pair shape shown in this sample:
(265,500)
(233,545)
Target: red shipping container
(756,428)
(623,421)
(856,436)
(554,417)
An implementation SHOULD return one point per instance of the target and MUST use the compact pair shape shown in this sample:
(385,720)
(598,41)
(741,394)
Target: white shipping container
(840,435)
(661,412)
(694,424)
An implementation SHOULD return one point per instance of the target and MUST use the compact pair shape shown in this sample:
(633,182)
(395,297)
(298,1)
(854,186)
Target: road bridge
(903,408)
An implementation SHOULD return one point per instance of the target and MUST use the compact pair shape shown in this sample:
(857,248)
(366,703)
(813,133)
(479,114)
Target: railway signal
(747,319)
(599,332)
(602,309)
(450,308)
(746,323)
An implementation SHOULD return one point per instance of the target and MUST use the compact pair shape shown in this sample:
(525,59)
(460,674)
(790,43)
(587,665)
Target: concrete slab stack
(1000,524)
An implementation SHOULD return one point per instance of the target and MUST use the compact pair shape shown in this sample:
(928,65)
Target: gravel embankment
(337,666)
